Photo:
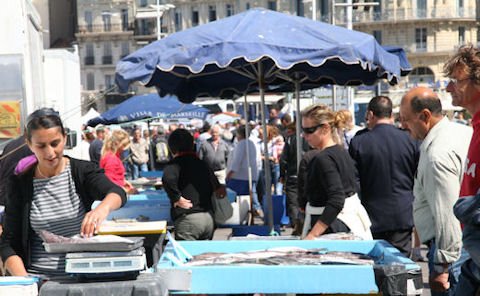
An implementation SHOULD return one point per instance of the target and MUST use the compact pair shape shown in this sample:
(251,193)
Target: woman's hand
(183,203)
(15,267)
(317,230)
(92,221)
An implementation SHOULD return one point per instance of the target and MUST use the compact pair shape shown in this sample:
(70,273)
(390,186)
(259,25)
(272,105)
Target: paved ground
(224,233)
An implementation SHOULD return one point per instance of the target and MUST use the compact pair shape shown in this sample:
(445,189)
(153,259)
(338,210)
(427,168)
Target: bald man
(437,182)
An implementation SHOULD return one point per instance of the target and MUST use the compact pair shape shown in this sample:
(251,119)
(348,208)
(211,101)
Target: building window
(247,6)
(125,49)
(324,11)
(421,39)
(125,19)
(107,21)
(461,35)
(378,36)
(89,54)
(212,13)
(377,10)
(89,21)
(421,8)
(108,81)
(229,9)
(195,19)
(143,3)
(300,8)
(178,21)
(422,75)
(272,5)
(107,53)
(478,35)
(90,81)
(461,7)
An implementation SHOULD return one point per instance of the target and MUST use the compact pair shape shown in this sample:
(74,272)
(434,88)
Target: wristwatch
(440,268)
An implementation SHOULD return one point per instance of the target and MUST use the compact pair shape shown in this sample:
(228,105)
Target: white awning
(147,14)
(269,99)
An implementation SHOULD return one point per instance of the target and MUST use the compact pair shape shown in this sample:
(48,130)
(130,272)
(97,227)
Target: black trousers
(291,190)
(400,239)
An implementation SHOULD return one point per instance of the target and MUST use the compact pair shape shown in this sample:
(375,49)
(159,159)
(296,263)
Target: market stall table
(391,271)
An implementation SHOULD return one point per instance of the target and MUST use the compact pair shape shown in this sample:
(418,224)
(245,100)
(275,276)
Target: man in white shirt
(437,182)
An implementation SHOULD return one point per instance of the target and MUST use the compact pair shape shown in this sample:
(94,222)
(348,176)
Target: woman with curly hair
(333,205)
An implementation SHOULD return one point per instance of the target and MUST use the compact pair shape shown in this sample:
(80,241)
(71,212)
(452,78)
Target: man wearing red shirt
(463,69)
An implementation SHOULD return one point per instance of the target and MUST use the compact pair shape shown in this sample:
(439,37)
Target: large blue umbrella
(217,58)
(149,106)
(257,50)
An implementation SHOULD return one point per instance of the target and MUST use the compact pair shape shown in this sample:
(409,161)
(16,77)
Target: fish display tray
(391,274)
(136,242)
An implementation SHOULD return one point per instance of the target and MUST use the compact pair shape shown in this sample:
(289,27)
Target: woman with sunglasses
(333,205)
(54,193)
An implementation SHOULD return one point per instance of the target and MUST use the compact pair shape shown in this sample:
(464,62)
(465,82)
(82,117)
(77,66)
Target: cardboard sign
(10,126)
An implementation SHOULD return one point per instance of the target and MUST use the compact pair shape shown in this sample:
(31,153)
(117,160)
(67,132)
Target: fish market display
(281,256)
(51,238)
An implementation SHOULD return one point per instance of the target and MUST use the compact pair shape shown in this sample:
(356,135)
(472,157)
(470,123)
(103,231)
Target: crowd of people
(397,180)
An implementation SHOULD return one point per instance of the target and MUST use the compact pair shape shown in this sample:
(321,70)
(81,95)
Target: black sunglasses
(312,129)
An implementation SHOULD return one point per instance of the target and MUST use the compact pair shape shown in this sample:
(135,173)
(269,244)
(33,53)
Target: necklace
(40,173)
(46,177)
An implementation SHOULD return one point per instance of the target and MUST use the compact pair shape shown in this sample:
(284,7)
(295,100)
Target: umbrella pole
(266,160)
(298,124)
(247,129)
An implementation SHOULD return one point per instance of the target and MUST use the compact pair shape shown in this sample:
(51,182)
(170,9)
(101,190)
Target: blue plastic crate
(279,210)
(151,174)
(244,230)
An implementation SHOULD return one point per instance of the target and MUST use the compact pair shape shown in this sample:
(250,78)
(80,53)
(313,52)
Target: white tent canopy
(91,113)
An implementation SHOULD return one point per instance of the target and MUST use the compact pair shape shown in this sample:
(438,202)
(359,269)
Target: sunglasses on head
(312,129)
(43,112)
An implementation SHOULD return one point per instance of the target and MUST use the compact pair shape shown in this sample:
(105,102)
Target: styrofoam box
(240,211)
(18,285)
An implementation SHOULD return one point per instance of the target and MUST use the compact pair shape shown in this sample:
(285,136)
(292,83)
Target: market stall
(388,272)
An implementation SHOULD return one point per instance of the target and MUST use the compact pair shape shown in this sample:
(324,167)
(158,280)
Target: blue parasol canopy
(149,106)
(224,56)
(257,50)
(405,66)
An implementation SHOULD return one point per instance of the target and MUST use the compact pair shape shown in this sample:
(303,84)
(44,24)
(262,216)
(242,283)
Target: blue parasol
(257,50)
(149,106)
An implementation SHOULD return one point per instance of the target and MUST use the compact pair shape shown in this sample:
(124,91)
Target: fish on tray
(281,256)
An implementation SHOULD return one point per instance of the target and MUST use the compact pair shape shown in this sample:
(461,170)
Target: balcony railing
(107,28)
(402,14)
(90,60)
(107,60)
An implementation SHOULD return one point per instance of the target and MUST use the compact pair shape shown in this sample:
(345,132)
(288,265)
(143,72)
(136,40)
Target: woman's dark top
(189,177)
(90,183)
(330,179)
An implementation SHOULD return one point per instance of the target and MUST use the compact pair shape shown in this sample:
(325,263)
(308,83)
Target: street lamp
(161,8)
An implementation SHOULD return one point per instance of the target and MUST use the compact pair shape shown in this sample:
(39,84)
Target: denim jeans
(469,280)
(453,270)
(137,168)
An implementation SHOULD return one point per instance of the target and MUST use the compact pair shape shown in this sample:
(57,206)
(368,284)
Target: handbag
(222,208)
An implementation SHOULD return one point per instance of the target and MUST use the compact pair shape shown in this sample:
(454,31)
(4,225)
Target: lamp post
(161,8)
(349,13)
